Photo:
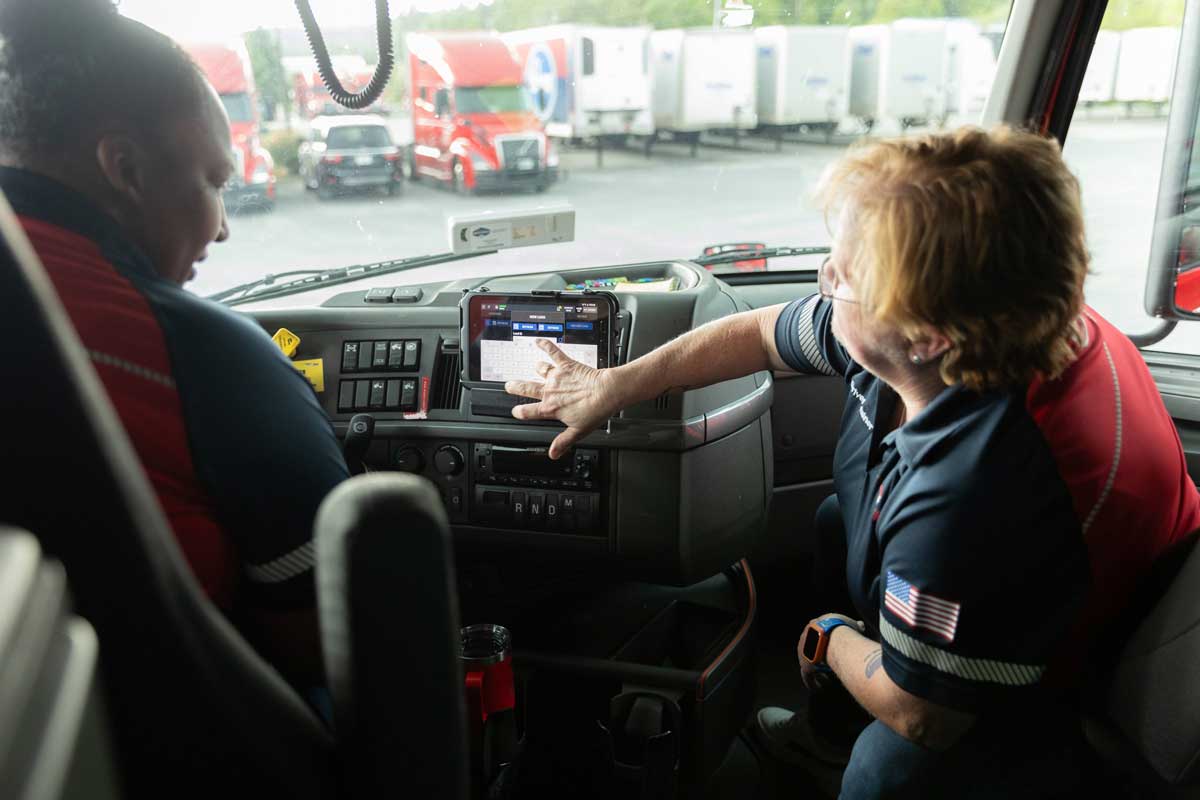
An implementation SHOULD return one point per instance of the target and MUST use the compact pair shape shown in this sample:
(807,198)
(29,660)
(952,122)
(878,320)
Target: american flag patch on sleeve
(921,609)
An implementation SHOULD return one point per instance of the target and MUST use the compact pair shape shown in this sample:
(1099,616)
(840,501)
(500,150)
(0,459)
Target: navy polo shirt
(993,535)
(232,438)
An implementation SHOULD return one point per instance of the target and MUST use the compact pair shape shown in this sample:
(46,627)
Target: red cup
(486,653)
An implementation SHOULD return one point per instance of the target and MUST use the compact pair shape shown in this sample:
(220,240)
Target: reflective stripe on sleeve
(983,670)
(808,337)
(286,566)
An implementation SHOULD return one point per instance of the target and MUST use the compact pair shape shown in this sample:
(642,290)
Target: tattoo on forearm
(873,662)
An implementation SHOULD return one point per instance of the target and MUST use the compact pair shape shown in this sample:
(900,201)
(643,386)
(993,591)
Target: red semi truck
(474,126)
(228,70)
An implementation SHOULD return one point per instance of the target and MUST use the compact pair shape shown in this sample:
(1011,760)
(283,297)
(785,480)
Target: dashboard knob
(448,460)
(408,459)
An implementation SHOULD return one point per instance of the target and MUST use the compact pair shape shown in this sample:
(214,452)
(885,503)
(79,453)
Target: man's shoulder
(220,331)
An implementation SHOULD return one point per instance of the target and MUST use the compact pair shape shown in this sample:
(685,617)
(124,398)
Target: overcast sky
(192,20)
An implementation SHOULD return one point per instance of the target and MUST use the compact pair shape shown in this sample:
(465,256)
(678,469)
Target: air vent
(447,381)
(662,401)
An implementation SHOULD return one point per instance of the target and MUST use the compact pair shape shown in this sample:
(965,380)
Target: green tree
(266,62)
(1121,15)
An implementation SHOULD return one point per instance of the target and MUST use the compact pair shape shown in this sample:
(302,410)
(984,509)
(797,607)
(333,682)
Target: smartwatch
(815,643)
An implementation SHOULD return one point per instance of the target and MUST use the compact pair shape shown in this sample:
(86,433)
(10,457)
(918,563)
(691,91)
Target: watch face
(811,638)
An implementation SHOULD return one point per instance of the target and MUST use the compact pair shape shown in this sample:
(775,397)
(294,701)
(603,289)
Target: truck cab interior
(654,584)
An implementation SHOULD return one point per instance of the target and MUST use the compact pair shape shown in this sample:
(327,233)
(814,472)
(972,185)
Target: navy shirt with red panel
(232,437)
(991,537)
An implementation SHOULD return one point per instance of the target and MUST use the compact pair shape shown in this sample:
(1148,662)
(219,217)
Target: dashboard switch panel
(395,355)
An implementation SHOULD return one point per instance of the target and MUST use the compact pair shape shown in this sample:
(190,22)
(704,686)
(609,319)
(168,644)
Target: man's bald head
(71,70)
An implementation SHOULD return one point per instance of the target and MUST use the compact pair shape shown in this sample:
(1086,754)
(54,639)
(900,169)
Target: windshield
(720,140)
(238,106)
(491,99)
(349,137)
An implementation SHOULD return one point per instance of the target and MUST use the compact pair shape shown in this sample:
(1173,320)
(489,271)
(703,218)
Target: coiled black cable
(320,51)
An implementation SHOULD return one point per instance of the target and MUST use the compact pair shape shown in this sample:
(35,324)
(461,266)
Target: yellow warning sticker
(287,341)
(314,370)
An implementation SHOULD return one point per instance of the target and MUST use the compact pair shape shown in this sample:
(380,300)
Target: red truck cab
(474,126)
(228,70)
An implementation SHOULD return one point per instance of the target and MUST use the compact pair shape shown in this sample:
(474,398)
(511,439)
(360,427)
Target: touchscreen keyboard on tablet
(516,359)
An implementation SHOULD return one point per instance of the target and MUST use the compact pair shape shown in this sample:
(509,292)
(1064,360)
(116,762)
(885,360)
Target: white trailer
(1146,65)
(803,75)
(866,68)
(1101,77)
(970,69)
(587,81)
(703,79)
(899,72)
(913,83)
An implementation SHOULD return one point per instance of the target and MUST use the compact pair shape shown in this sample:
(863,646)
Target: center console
(673,490)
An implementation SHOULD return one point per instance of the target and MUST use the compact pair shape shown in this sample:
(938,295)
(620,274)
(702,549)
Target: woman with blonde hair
(1005,473)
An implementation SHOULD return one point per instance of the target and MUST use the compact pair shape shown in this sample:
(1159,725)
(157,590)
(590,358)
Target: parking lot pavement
(670,204)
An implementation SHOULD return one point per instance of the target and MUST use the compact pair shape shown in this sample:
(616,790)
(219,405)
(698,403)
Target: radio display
(535,463)
(503,332)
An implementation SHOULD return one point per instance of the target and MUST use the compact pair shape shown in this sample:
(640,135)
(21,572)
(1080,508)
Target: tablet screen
(505,329)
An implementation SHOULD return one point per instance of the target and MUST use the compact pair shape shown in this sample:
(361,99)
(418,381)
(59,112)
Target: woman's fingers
(559,358)
(525,388)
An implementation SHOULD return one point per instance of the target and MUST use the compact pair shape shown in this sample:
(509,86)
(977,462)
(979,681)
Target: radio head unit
(501,331)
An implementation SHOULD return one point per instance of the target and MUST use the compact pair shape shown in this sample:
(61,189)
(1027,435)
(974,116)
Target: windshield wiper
(730,256)
(266,287)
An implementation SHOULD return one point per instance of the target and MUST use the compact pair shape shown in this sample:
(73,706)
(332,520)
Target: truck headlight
(261,175)
(551,157)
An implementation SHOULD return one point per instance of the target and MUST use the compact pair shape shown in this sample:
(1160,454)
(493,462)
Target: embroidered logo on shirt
(921,609)
(862,411)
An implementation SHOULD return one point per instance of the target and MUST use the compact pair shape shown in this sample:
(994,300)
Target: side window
(441,103)
(425,93)
(1115,146)
(589,56)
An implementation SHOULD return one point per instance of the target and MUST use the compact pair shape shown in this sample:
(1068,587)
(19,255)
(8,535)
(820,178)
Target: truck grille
(521,154)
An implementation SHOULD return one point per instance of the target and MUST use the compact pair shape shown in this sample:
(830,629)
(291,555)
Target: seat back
(54,738)
(389,624)
(195,710)
(1150,702)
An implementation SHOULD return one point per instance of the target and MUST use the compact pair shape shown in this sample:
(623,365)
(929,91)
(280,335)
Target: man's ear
(123,164)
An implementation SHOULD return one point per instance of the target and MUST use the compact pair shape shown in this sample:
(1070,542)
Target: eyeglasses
(827,283)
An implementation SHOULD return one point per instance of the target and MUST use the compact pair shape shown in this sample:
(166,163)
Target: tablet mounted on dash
(501,333)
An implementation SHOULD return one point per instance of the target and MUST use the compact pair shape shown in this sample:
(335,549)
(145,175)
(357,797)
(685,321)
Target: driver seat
(1144,712)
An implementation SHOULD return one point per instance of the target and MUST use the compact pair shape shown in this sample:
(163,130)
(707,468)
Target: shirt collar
(45,199)
(949,412)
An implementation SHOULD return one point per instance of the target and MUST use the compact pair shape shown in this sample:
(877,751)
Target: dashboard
(673,490)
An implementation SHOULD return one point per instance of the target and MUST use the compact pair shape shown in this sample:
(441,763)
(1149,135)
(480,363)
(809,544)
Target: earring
(916,359)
